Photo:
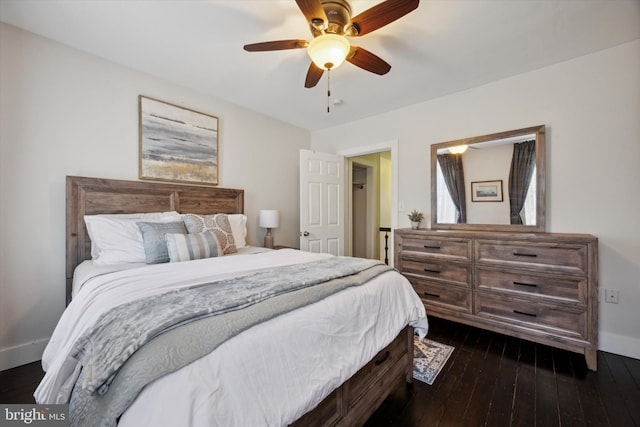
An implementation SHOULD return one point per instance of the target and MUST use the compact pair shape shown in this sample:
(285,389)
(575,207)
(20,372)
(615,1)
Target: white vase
(415,225)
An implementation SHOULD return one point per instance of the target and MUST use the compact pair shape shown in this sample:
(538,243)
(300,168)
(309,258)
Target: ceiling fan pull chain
(328,90)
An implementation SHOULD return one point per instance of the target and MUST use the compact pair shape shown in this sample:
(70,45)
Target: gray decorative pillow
(155,246)
(186,247)
(218,223)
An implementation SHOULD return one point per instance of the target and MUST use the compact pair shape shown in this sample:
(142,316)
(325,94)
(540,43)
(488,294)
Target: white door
(321,202)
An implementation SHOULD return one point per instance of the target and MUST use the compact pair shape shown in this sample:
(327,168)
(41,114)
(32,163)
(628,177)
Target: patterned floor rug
(428,359)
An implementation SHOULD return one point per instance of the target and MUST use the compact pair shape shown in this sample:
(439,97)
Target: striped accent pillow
(186,247)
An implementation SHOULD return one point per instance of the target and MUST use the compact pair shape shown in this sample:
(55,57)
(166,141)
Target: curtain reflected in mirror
(523,165)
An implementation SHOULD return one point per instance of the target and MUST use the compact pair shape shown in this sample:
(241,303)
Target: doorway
(388,199)
(364,211)
(370,205)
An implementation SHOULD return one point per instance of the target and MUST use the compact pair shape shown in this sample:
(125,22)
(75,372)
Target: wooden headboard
(91,196)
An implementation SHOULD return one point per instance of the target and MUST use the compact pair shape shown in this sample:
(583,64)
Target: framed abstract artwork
(177,144)
(486,191)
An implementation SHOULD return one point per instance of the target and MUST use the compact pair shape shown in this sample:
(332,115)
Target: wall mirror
(490,182)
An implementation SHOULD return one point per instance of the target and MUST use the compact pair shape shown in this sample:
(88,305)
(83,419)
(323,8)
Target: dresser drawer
(449,248)
(561,257)
(442,295)
(537,286)
(438,271)
(372,371)
(559,319)
(563,288)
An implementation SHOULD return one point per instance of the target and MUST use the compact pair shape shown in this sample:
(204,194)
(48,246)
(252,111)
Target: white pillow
(88,220)
(117,239)
(238,224)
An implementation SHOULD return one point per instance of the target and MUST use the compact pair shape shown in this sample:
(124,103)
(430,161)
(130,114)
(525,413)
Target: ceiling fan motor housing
(339,15)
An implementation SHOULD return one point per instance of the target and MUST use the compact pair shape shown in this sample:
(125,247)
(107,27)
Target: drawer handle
(526,314)
(428,270)
(427,294)
(525,254)
(432,247)
(532,285)
(384,357)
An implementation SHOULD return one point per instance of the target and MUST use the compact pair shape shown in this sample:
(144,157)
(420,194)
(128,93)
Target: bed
(292,358)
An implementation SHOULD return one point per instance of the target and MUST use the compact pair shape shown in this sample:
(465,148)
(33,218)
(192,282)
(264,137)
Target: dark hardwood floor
(489,380)
(494,380)
(18,384)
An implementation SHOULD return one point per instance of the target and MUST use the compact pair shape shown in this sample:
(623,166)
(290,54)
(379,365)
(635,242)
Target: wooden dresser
(541,287)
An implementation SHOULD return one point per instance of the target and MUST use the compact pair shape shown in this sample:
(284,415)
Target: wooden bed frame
(349,405)
(91,196)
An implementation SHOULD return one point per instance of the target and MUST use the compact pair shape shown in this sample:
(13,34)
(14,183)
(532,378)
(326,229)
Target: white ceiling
(443,47)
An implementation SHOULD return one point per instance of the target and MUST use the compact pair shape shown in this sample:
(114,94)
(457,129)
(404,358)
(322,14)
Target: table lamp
(269,219)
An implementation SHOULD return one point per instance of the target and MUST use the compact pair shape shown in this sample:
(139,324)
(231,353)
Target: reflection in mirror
(490,182)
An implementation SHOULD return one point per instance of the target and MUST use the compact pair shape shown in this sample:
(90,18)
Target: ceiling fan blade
(368,61)
(313,11)
(382,14)
(313,75)
(276,45)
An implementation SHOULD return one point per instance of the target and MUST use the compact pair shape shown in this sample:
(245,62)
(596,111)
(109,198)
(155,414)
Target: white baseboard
(619,344)
(22,354)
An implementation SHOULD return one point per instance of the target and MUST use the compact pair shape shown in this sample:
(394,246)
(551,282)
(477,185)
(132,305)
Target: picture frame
(486,191)
(176,143)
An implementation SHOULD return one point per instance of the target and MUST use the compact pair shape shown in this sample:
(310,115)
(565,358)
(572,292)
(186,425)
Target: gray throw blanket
(140,341)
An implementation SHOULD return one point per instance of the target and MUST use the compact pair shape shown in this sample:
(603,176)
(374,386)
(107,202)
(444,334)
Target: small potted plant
(416,218)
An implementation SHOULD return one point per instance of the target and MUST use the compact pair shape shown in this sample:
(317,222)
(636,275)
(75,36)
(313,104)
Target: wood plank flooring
(494,380)
(489,380)
(18,384)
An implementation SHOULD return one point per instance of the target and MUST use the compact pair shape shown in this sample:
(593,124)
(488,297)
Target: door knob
(305,234)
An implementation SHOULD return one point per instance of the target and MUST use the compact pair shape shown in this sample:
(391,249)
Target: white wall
(386,200)
(65,112)
(591,107)
(488,164)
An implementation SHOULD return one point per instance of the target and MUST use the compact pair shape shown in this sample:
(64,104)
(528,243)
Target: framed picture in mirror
(486,191)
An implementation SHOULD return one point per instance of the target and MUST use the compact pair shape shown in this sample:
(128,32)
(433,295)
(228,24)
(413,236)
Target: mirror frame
(540,183)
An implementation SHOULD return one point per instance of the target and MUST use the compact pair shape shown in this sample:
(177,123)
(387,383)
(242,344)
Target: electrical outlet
(611,295)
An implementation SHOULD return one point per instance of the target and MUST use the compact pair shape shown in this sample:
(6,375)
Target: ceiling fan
(331,23)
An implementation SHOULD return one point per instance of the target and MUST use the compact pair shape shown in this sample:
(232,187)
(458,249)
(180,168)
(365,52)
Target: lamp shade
(269,219)
(328,51)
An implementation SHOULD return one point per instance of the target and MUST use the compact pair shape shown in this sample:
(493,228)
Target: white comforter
(271,374)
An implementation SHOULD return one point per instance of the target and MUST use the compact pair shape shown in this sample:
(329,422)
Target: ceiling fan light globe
(458,149)
(328,51)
